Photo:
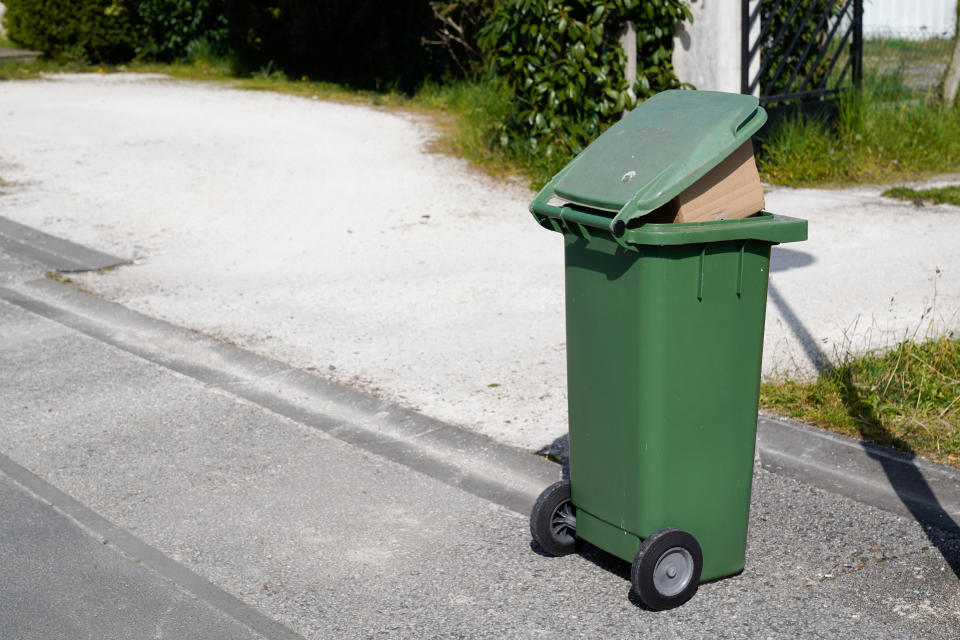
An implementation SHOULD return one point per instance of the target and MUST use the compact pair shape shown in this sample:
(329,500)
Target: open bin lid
(653,154)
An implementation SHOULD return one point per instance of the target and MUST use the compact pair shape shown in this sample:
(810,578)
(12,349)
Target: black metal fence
(801,49)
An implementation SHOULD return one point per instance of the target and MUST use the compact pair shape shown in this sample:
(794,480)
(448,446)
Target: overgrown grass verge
(476,110)
(939,195)
(906,399)
(215,71)
(895,128)
(873,141)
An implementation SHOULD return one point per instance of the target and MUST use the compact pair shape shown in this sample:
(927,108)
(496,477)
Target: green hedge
(565,66)
(95,30)
(166,29)
(115,30)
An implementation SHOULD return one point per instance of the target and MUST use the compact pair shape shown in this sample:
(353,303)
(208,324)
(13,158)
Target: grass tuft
(939,195)
(907,399)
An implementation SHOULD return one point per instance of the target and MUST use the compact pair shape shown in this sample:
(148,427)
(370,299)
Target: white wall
(913,19)
(707,53)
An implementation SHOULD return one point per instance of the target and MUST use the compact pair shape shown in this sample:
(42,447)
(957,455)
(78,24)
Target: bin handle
(569,215)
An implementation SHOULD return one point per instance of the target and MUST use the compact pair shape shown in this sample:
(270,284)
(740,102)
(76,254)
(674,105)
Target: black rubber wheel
(553,520)
(666,569)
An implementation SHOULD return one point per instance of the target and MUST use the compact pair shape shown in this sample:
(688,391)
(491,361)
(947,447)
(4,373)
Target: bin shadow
(902,473)
(604,561)
(782,259)
(906,479)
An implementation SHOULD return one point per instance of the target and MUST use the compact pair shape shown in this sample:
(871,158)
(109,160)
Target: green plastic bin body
(664,346)
(664,330)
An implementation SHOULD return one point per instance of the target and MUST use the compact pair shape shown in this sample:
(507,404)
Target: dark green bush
(94,30)
(364,43)
(116,30)
(565,67)
(167,28)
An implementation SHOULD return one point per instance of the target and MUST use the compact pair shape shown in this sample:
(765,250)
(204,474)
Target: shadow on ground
(902,473)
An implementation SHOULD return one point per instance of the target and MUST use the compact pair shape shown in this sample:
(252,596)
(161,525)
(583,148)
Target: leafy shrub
(116,30)
(565,67)
(96,30)
(167,28)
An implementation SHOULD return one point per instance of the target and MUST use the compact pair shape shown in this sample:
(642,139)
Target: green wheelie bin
(664,326)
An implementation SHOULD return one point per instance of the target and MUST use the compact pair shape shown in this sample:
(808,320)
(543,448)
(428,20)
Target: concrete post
(628,42)
(951,80)
(707,52)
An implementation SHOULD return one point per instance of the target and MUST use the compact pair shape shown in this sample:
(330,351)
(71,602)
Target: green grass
(919,64)
(873,141)
(475,111)
(939,195)
(27,69)
(894,129)
(907,399)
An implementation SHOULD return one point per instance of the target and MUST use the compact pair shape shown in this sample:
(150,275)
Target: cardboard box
(729,191)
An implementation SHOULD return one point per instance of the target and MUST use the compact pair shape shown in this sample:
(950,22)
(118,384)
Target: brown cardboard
(729,191)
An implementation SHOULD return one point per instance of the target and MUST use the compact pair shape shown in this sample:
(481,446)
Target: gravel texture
(326,235)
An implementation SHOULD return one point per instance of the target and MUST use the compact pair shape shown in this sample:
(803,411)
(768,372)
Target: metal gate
(801,49)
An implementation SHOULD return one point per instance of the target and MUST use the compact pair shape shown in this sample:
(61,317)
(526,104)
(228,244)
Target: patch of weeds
(883,133)
(31,69)
(56,276)
(475,111)
(552,457)
(907,398)
(62,278)
(269,72)
(939,195)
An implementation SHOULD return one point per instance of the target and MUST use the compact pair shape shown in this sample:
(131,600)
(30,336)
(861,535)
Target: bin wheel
(666,569)
(553,520)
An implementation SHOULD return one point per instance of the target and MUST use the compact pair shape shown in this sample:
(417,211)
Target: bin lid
(659,149)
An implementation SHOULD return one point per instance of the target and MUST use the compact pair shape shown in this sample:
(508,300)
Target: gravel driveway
(326,235)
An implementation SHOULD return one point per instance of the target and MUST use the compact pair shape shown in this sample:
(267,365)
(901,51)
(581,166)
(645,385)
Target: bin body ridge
(664,347)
